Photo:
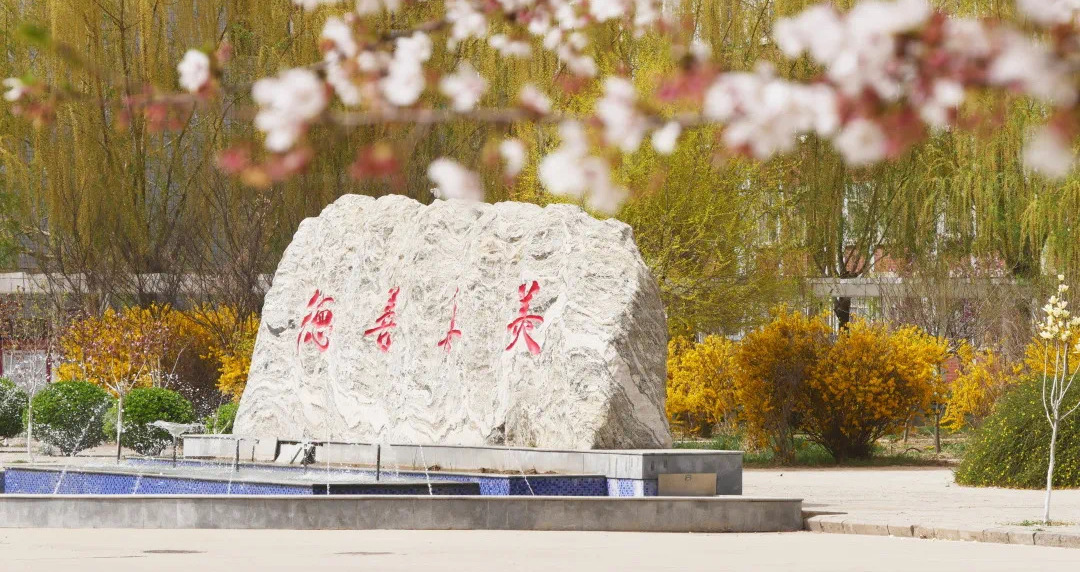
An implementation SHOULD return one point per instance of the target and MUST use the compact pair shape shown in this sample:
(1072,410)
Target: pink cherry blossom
(347,90)
(1030,67)
(1049,12)
(509,48)
(340,35)
(570,170)
(604,10)
(452,181)
(862,142)
(369,7)
(665,138)
(286,104)
(513,155)
(764,114)
(404,81)
(534,100)
(465,22)
(15,89)
(624,126)
(464,87)
(194,70)
(1049,153)
(313,4)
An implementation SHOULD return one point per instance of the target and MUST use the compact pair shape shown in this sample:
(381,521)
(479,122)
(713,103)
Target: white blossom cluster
(572,171)
(453,181)
(624,125)
(1059,323)
(404,81)
(874,49)
(1050,12)
(15,89)
(512,152)
(764,114)
(464,87)
(194,71)
(858,49)
(287,104)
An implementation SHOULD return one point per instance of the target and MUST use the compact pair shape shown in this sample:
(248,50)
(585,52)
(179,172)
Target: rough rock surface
(593,378)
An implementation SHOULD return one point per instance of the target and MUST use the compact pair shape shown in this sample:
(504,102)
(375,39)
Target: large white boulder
(351,346)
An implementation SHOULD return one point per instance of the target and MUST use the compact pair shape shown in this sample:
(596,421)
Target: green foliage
(68,415)
(143,406)
(8,229)
(221,420)
(1012,447)
(12,405)
(805,453)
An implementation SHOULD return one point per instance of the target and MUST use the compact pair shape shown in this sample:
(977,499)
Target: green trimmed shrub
(68,415)
(12,406)
(143,406)
(1012,447)
(221,420)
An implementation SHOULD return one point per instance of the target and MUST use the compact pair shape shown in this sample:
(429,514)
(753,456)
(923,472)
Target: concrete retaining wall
(651,514)
(645,464)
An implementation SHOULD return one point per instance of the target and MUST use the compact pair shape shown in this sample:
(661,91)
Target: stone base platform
(668,472)
(653,514)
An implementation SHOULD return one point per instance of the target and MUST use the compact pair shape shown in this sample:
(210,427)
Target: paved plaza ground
(920,496)
(888,496)
(477,551)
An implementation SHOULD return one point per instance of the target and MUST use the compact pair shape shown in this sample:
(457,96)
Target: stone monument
(460,324)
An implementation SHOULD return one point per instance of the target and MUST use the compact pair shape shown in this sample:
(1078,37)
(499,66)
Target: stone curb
(838,524)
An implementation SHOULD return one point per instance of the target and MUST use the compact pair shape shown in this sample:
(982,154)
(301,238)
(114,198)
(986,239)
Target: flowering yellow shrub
(983,378)
(772,365)
(868,384)
(120,350)
(233,355)
(1039,354)
(700,391)
(197,352)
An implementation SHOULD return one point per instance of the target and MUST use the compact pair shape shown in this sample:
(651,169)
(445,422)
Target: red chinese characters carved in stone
(525,322)
(318,323)
(453,331)
(385,322)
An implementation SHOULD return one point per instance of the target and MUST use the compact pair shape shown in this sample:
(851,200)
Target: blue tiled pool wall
(632,487)
(18,481)
(30,482)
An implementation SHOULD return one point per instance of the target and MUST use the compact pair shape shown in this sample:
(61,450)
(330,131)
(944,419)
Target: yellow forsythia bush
(133,347)
(233,352)
(700,390)
(1039,356)
(868,384)
(772,366)
(984,377)
(197,352)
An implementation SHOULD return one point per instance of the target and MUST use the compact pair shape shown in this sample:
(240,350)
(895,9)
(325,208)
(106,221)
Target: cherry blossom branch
(892,72)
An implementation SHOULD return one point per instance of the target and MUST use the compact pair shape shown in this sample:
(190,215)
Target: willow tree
(134,201)
(113,198)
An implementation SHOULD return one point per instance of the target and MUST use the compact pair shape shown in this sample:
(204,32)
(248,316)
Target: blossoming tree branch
(890,74)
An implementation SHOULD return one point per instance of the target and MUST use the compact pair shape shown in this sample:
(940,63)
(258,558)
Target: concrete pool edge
(636,464)
(634,514)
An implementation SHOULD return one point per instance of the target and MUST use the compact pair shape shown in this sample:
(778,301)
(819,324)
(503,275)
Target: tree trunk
(1050,470)
(937,430)
(842,309)
(119,424)
(29,428)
